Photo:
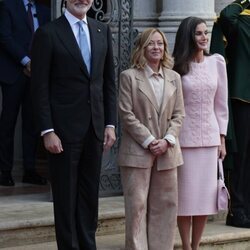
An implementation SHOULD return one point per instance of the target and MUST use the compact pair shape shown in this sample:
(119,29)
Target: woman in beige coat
(151,112)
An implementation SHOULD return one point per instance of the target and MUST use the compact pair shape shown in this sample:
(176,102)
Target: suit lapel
(93,42)
(40,15)
(96,42)
(146,89)
(169,89)
(67,37)
(23,13)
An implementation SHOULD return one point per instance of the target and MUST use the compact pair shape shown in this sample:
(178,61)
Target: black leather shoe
(34,178)
(6,180)
(238,219)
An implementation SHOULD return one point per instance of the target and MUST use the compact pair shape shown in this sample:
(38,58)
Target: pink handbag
(222,192)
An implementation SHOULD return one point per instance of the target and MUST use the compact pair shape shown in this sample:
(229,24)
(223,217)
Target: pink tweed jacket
(205,99)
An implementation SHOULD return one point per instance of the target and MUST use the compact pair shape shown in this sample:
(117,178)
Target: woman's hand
(158,147)
(222,148)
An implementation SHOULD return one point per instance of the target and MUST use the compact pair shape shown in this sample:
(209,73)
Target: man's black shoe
(34,178)
(6,180)
(238,219)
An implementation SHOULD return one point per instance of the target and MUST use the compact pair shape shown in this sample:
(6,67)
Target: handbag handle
(221,172)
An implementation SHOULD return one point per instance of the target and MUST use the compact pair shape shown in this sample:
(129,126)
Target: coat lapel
(146,89)
(67,37)
(96,40)
(169,89)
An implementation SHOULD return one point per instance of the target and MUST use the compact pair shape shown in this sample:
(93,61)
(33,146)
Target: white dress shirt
(73,21)
(156,81)
(26,59)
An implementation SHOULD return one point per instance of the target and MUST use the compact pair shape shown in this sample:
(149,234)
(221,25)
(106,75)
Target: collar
(245,12)
(149,72)
(25,2)
(72,19)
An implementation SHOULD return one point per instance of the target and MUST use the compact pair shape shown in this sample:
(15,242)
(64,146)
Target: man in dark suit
(18,20)
(73,87)
(234,22)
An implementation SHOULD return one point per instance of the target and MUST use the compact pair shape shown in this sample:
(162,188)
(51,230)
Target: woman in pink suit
(204,83)
(151,111)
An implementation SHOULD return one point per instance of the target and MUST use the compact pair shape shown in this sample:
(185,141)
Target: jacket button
(88,101)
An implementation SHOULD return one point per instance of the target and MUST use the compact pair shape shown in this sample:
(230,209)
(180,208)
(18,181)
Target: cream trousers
(150,207)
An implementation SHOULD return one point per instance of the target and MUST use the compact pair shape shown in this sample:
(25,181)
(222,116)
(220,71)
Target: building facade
(165,14)
(127,18)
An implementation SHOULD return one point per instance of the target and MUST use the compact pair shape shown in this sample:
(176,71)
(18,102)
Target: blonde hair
(138,59)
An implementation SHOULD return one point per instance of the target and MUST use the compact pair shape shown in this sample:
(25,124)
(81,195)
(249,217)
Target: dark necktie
(30,17)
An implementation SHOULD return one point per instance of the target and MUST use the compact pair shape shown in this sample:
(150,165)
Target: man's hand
(109,138)
(27,69)
(158,147)
(52,143)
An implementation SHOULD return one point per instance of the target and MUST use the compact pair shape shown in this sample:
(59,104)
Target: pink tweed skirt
(197,182)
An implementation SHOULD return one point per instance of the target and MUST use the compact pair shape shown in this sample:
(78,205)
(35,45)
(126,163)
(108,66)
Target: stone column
(56,8)
(220,4)
(174,11)
(145,14)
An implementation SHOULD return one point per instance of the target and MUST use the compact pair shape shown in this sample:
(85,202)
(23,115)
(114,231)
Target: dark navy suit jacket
(15,37)
(65,96)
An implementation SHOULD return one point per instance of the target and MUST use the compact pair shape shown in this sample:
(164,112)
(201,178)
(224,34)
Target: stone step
(217,236)
(29,222)
(26,222)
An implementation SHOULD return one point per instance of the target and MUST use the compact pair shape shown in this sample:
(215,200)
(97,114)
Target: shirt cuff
(47,131)
(170,139)
(25,60)
(146,143)
(109,126)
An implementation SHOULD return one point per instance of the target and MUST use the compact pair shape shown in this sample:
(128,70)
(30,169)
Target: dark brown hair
(185,46)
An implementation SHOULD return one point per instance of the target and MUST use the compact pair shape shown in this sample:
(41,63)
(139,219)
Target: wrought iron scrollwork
(99,9)
(119,15)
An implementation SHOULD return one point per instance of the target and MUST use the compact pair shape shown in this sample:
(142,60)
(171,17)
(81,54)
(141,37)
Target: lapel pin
(99,30)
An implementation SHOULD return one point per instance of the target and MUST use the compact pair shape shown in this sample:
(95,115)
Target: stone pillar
(145,14)
(174,11)
(220,4)
(56,8)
